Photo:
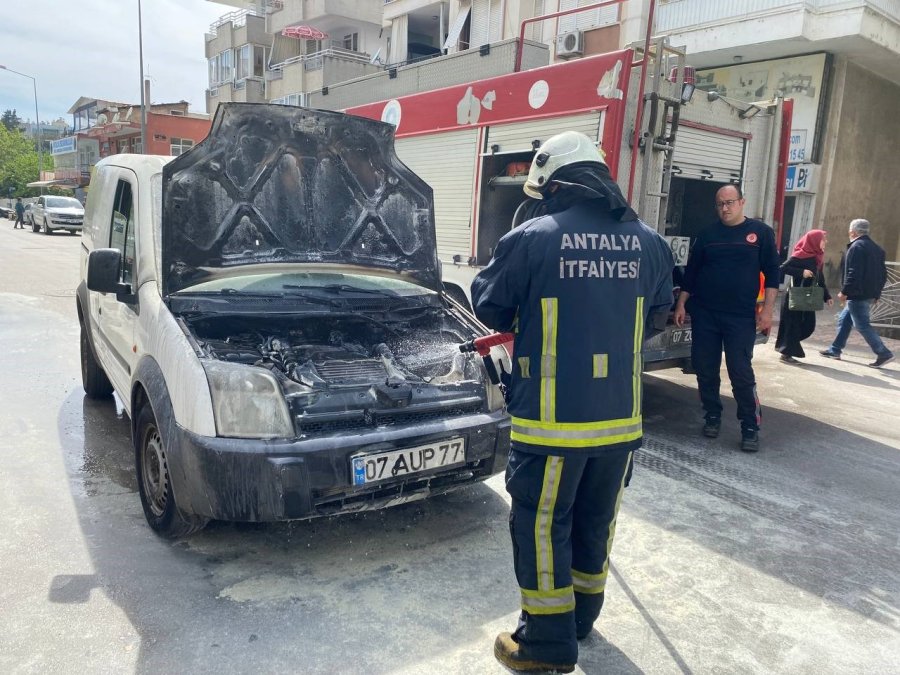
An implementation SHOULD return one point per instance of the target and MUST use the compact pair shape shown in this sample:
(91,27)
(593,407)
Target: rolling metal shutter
(705,154)
(517,137)
(447,163)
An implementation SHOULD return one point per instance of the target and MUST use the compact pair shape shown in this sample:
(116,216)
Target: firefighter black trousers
(711,333)
(562,523)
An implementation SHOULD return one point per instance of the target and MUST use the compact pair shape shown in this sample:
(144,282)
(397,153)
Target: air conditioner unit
(570,44)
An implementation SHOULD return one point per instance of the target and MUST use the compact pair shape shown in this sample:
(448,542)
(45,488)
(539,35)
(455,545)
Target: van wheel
(34,226)
(154,484)
(47,229)
(93,379)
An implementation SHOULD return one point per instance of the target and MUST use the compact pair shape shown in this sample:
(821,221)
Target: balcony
(718,33)
(313,12)
(237,19)
(441,71)
(309,72)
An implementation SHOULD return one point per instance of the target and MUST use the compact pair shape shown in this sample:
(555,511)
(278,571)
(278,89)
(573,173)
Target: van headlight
(247,402)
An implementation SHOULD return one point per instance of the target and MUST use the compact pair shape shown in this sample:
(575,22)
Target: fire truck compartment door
(446,161)
(707,155)
(518,136)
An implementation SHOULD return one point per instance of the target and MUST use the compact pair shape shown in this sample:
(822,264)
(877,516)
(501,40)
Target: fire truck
(473,143)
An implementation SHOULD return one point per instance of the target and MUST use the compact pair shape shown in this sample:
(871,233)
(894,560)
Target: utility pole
(143,102)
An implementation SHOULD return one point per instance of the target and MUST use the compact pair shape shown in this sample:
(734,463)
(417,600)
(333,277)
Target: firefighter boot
(508,652)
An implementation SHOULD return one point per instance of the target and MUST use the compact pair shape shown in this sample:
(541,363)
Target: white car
(50,213)
(268,306)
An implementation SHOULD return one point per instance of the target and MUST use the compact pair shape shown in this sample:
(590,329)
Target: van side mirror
(103,269)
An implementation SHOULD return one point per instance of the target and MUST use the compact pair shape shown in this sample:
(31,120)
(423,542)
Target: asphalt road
(781,562)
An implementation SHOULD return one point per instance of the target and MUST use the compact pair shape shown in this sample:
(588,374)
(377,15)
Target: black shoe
(711,427)
(828,354)
(881,360)
(785,358)
(508,652)
(749,440)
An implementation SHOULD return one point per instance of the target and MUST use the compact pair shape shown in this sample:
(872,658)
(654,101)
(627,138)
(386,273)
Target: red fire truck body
(473,144)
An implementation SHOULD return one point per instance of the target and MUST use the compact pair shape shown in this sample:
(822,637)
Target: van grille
(335,371)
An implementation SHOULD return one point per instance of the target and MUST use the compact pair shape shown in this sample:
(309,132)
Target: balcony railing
(316,60)
(237,18)
(688,14)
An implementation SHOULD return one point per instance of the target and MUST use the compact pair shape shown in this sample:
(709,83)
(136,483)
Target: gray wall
(863,150)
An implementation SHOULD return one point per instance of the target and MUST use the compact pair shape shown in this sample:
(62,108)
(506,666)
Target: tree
(11,120)
(18,163)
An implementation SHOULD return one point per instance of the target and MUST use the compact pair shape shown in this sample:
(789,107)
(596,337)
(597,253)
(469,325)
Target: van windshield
(63,203)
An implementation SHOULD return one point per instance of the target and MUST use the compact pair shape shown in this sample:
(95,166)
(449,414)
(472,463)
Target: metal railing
(886,313)
(689,14)
(316,60)
(237,18)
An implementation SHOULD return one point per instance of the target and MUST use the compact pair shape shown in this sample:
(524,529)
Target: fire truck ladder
(662,105)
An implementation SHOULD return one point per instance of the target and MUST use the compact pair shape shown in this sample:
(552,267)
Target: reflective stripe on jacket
(578,288)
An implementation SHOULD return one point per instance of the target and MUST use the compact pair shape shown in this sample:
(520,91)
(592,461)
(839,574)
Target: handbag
(806,298)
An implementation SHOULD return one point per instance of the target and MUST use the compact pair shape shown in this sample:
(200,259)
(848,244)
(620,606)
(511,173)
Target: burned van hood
(279,184)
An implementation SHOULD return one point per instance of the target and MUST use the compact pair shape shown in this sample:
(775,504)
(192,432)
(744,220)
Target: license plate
(682,336)
(381,466)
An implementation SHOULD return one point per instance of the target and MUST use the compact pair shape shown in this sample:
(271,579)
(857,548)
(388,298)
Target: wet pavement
(780,562)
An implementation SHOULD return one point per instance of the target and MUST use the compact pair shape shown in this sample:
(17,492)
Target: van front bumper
(257,480)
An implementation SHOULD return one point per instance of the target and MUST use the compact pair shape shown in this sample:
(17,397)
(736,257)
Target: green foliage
(11,120)
(18,163)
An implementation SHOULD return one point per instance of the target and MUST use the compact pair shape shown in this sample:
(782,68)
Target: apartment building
(279,50)
(839,60)
(101,128)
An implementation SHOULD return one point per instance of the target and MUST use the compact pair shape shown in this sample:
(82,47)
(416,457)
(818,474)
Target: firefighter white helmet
(569,147)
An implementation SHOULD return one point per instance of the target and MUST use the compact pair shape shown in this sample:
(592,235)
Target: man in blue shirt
(719,291)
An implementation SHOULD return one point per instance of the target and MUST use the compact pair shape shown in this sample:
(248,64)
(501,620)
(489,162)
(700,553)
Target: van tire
(34,226)
(47,229)
(94,380)
(154,484)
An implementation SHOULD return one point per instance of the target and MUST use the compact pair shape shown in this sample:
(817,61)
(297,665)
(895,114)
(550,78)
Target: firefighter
(720,291)
(581,287)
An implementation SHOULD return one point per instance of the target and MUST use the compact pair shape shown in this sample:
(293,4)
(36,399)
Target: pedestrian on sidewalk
(863,275)
(803,267)
(20,214)
(719,291)
(578,285)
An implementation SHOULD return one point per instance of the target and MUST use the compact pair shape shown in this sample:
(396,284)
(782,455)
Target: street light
(143,102)
(37,119)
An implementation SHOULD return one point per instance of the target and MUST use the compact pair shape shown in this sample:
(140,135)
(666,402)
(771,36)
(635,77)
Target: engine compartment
(341,351)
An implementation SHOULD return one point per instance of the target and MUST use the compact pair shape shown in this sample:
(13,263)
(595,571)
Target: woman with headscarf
(804,264)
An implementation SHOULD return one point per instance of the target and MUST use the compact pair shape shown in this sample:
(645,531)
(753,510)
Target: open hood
(280,184)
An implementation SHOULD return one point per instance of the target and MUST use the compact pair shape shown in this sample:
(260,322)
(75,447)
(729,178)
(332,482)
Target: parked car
(268,307)
(50,213)
(27,215)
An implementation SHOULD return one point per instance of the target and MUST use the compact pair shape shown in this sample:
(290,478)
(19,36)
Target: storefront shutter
(446,162)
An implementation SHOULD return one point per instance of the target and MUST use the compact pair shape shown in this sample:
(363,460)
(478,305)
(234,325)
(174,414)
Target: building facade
(102,128)
(840,63)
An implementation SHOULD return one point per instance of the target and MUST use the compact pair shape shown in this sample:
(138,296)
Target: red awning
(304,33)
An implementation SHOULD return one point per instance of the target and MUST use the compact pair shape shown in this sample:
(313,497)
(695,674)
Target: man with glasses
(719,291)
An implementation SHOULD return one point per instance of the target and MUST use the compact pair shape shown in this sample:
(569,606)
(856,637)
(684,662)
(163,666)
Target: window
(177,113)
(291,99)
(259,61)
(485,26)
(180,145)
(243,62)
(313,46)
(121,231)
(123,145)
(351,42)
(221,68)
(136,146)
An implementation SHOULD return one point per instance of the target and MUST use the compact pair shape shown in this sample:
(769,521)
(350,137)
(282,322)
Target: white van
(268,307)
